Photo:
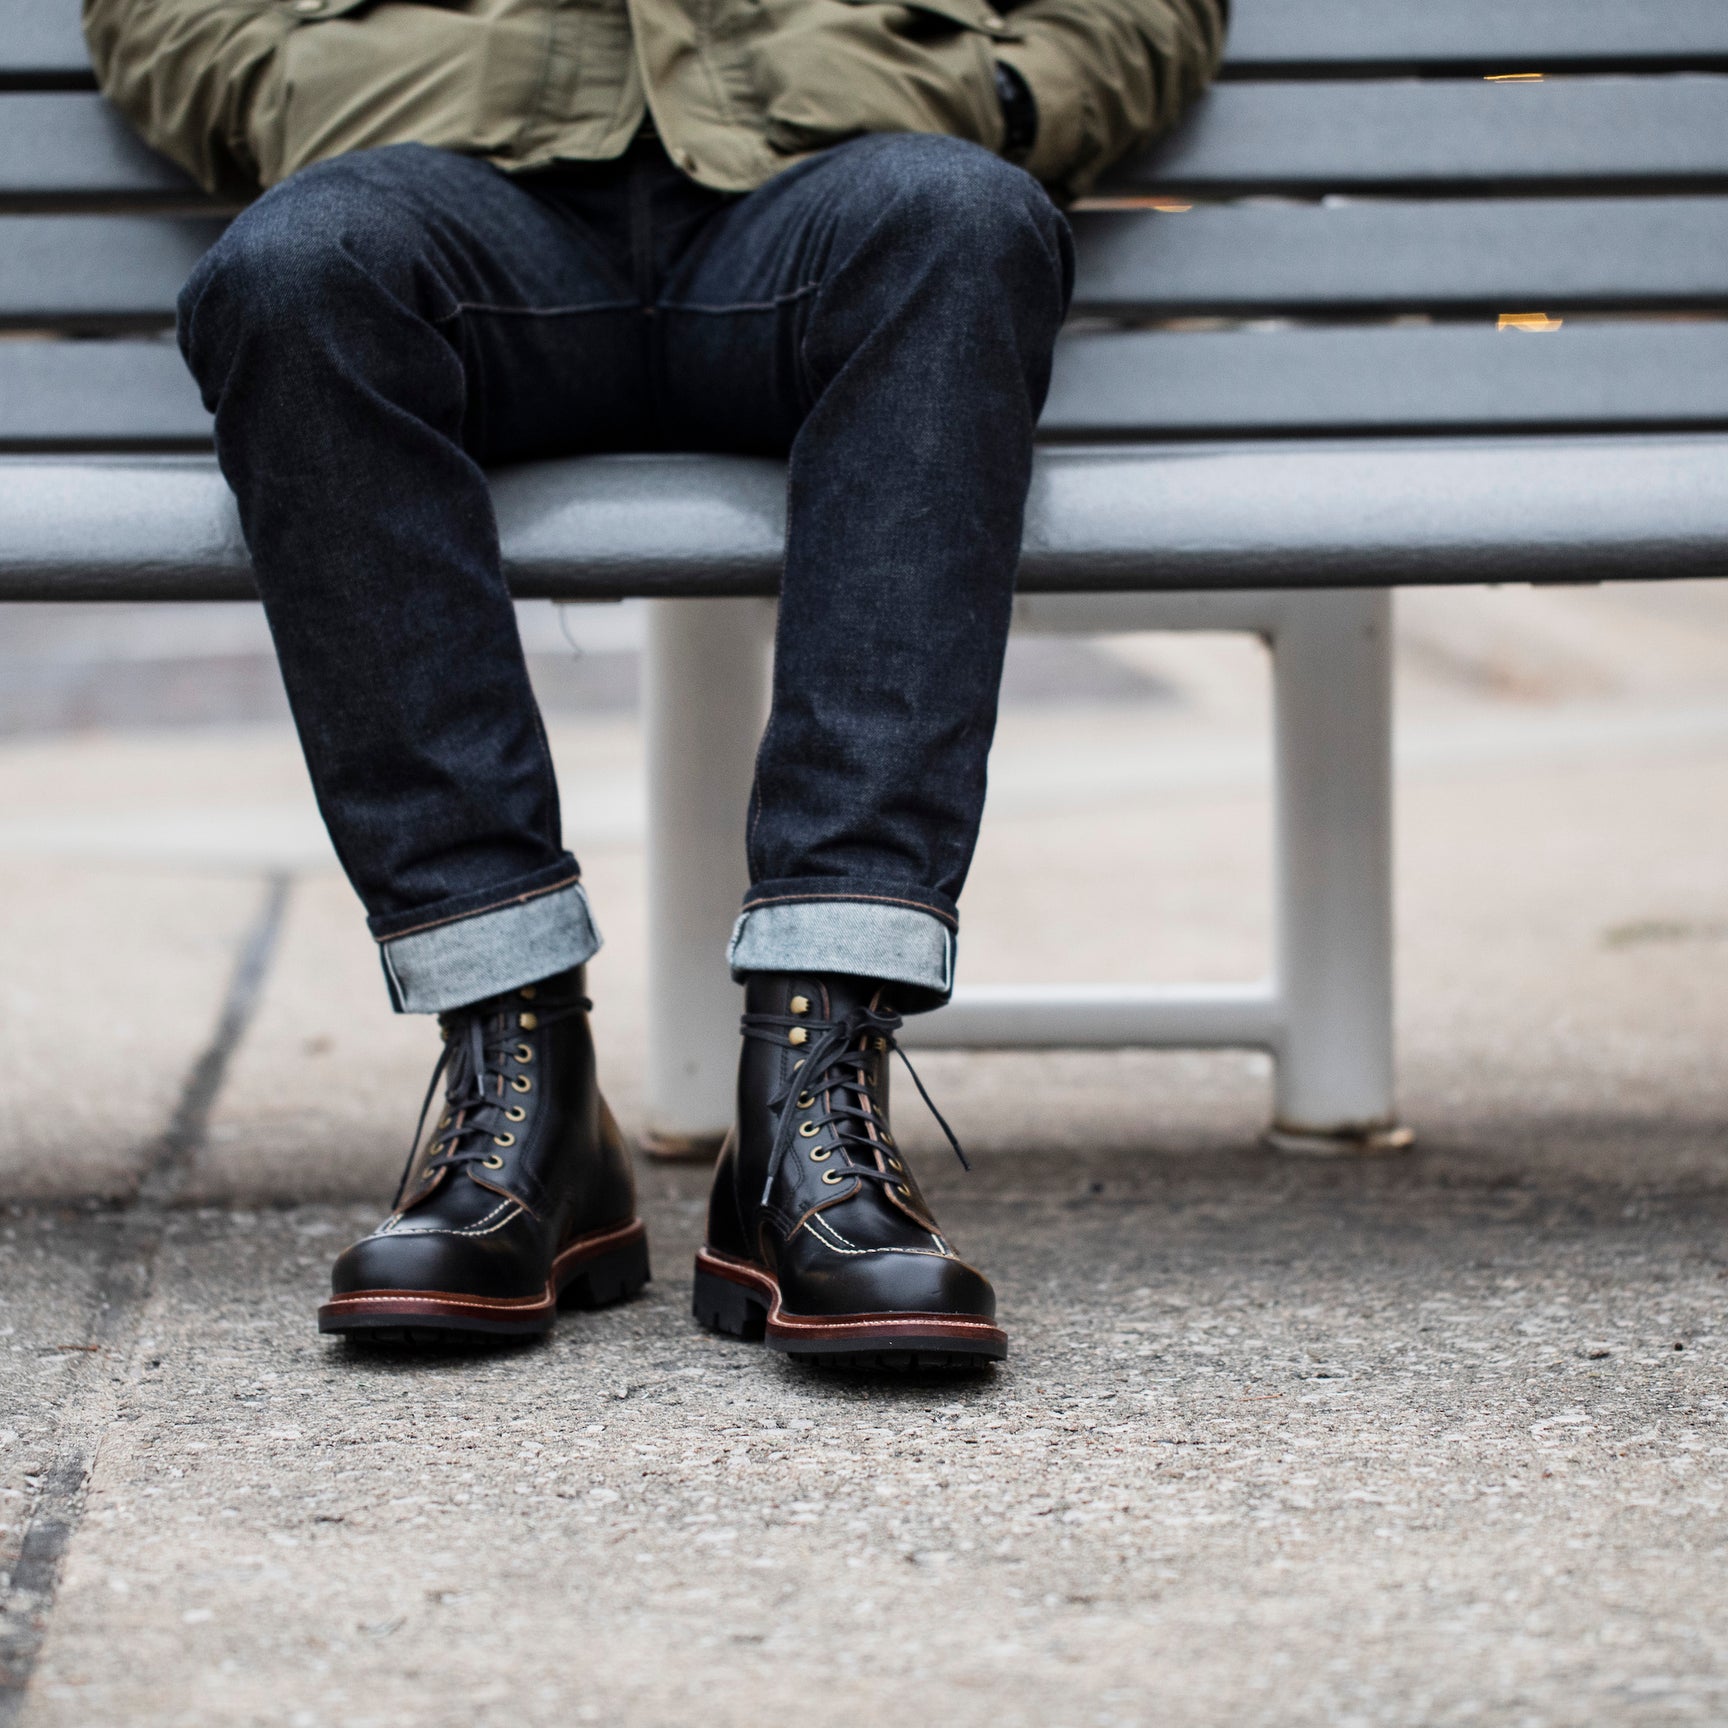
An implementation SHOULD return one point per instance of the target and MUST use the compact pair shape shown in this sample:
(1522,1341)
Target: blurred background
(1562,887)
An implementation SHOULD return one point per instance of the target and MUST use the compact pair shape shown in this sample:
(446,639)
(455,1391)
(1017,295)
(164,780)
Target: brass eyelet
(527,1021)
(521,1083)
(833,1177)
(800,1004)
(515,1114)
(904,1192)
(493,1163)
(798,1064)
(528,992)
(821,1154)
(809,1130)
(503,1139)
(804,1100)
(443,1121)
(524,1052)
(895,1164)
(797,1036)
(881,1043)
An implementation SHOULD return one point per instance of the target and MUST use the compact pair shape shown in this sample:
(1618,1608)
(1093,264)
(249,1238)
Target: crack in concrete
(122,1289)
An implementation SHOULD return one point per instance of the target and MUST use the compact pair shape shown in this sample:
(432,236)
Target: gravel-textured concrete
(1432,1440)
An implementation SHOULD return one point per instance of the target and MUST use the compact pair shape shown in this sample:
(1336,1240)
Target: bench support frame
(1325,1015)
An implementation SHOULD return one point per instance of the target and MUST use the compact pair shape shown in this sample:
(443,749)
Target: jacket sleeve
(186,74)
(1108,76)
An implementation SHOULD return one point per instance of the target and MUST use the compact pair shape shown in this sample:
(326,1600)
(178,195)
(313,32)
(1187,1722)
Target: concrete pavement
(1438,1439)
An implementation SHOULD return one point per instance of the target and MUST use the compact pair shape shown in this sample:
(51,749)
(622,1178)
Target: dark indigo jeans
(377,330)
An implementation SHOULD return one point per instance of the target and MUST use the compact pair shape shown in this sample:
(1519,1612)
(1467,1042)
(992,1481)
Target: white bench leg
(705,696)
(1332,671)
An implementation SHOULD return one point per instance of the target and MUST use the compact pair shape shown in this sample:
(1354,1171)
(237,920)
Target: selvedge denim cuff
(469,959)
(861,938)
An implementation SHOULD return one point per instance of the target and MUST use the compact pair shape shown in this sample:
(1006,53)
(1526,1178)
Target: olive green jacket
(243,92)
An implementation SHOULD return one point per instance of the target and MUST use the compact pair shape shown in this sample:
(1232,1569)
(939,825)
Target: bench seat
(1285,514)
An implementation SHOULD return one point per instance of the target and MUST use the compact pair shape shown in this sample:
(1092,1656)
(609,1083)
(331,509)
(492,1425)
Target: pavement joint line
(123,1287)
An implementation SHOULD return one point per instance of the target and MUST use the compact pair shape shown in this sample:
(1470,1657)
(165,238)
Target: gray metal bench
(1284,394)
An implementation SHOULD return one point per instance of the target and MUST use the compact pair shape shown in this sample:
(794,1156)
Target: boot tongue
(845,993)
(829,994)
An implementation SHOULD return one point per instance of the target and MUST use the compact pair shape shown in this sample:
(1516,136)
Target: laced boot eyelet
(809,1130)
(527,1021)
(503,1139)
(833,1177)
(797,1036)
(521,1083)
(895,1164)
(820,1154)
(800,1004)
(516,1114)
(904,1192)
(524,1052)
(804,1100)
(528,992)
(493,1163)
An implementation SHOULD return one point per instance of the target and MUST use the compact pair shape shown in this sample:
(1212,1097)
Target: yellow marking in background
(1513,78)
(1538,321)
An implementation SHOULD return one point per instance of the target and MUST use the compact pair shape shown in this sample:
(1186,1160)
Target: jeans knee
(292,260)
(961,198)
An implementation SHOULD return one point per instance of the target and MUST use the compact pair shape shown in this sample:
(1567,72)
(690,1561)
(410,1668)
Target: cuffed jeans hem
(467,960)
(861,938)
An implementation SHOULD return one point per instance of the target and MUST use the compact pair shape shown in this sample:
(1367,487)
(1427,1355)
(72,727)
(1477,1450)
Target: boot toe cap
(888,1281)
(437,1261)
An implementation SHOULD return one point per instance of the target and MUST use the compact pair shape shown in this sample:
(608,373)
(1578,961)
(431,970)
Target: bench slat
(1454,257)
(1339,514)
(1242,384)
(1461,255)
(108,270)
(62,150)
(42,43)
(98,395)
(1628,134)
(1280,37)
(137,395)
(69,149)
(1287,36)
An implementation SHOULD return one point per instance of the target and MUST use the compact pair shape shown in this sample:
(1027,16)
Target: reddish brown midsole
(424,1305)
(845,1328)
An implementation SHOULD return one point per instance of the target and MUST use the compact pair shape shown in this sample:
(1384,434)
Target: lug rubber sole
(594,1271)
(743,1301)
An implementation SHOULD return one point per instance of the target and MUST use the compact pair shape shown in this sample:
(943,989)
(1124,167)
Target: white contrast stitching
(472,1230)
(844,1245)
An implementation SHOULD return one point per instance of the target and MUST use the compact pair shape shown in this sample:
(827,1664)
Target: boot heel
(615,1276)
(723,1306)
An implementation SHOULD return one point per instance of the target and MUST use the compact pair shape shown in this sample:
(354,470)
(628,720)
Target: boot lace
(486,1066)
(834,1077)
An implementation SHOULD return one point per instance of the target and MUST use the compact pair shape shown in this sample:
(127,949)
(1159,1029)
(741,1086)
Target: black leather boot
(521,1201)
(818,1235)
